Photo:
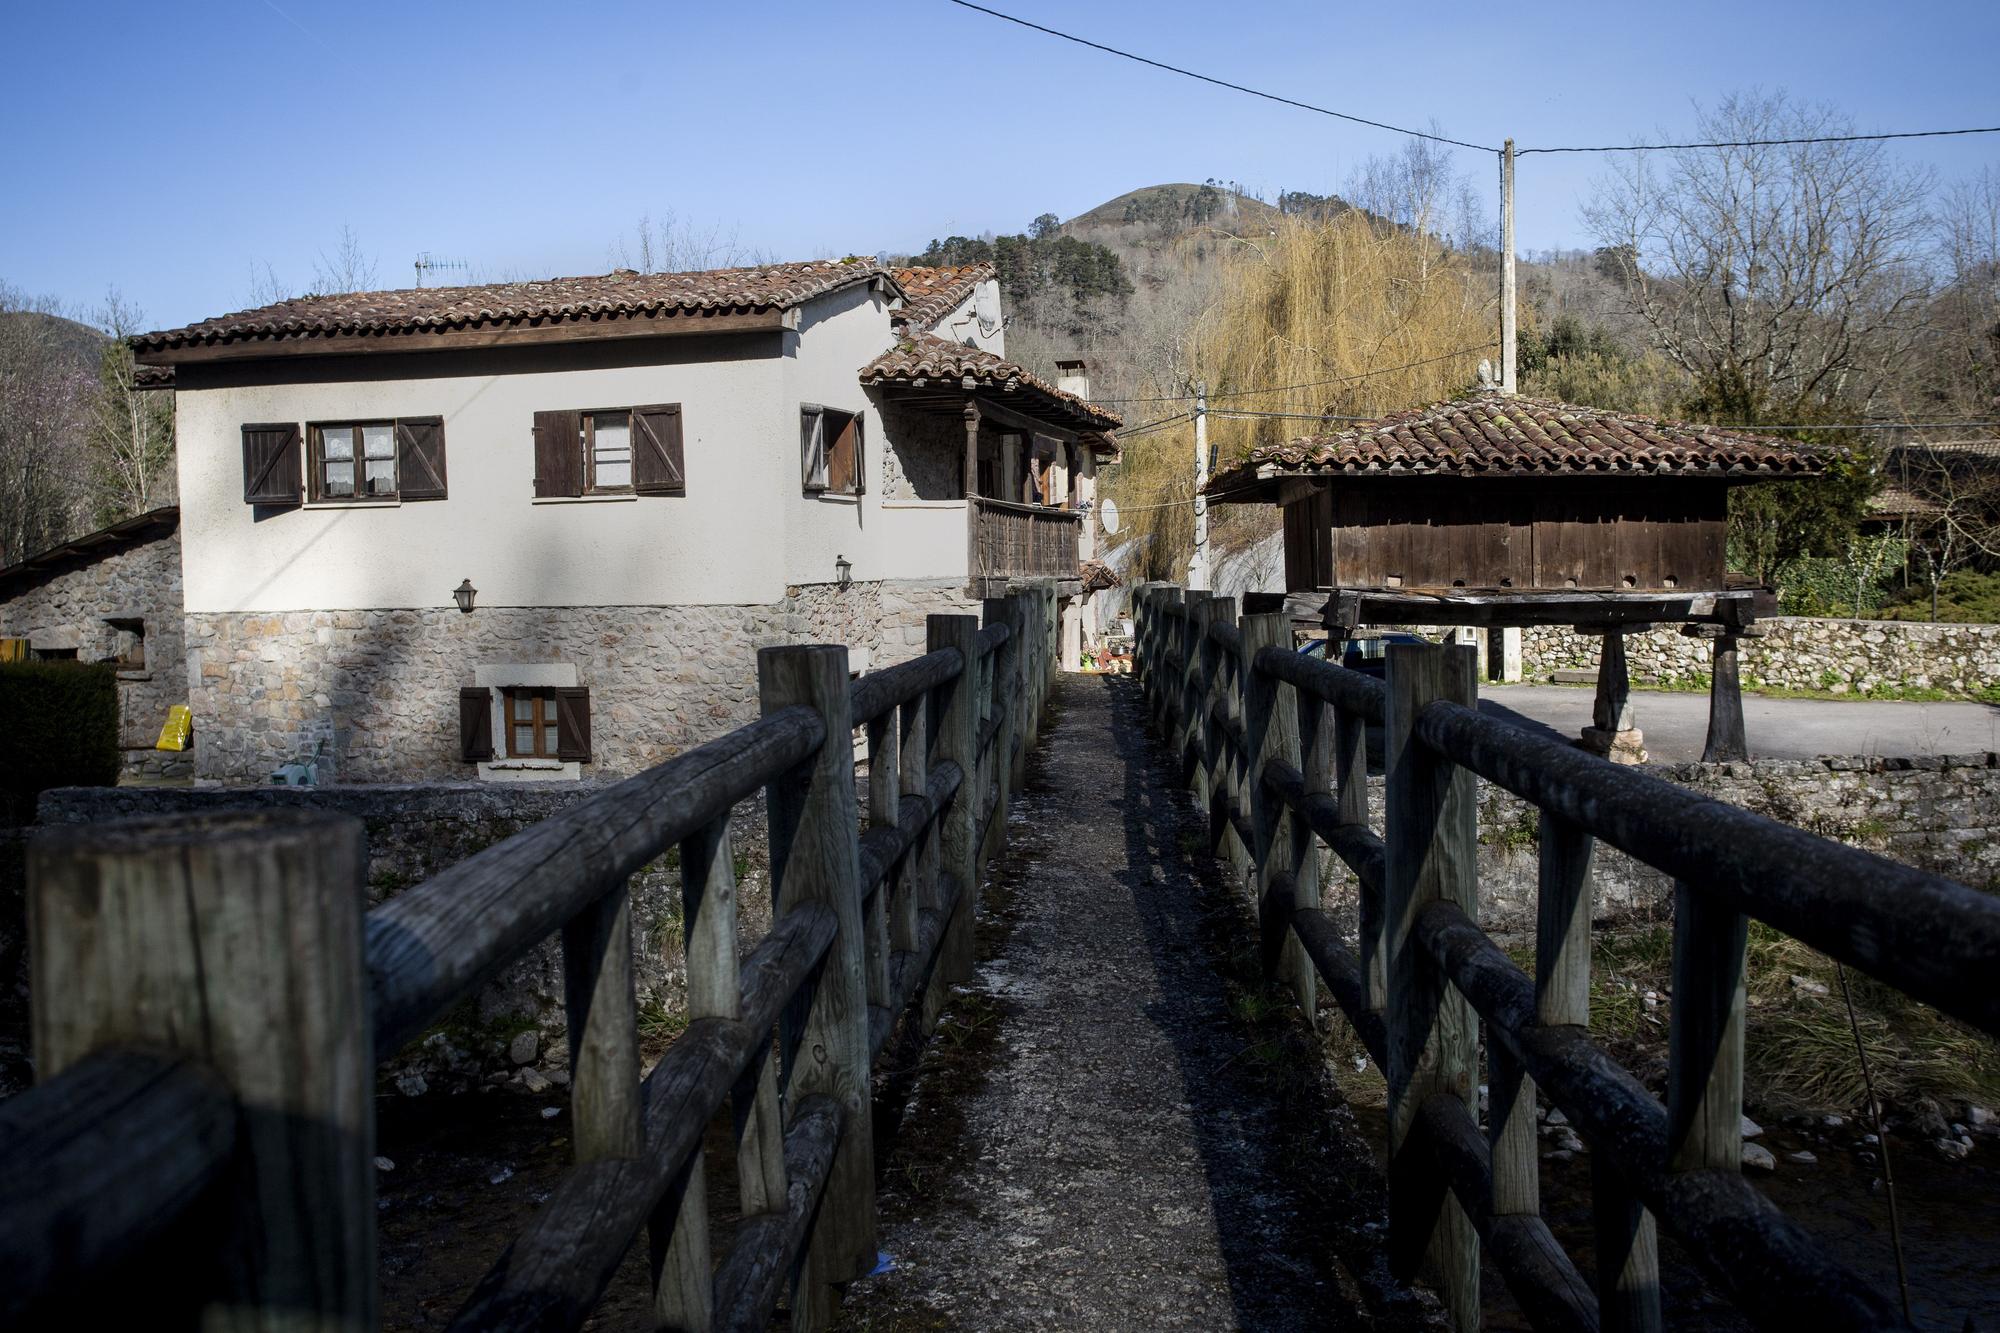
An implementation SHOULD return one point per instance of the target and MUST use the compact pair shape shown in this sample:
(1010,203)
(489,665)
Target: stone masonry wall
(924,454)
(1842,656)
(70,608)
(381,687)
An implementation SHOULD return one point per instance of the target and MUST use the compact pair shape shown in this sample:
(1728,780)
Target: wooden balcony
(1018,541)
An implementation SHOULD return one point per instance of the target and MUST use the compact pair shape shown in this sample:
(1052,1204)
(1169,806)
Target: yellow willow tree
(1321,320)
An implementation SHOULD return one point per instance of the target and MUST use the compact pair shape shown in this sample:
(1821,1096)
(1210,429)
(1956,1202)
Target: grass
(1524,834)
(1798,1048)
(1927,694)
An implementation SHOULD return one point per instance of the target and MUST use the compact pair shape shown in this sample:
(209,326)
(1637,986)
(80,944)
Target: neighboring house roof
(915,361)
(935,292)
(121,536)
(152,377)
(1495,435)
(1895,502)
(554,301)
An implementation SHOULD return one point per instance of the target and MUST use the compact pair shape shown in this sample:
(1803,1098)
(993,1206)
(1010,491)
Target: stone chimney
(1073,377)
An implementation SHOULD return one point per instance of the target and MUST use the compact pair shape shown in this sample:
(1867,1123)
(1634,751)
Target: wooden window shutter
(843,457)
(271,466)
(658,464)
(420,457)
(475,724)
(812,446)
(573,724)
(558,453)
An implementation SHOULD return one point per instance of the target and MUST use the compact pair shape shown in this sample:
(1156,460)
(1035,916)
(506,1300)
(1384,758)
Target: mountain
(1169,210)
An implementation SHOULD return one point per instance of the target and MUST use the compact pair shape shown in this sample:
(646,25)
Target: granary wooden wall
(1548,533)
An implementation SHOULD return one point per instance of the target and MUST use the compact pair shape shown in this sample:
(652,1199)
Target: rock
(1927,1119)
(1807,986)
(384,1164)
(1756,1157)
(1566,1140)
(1979,1117)
(533,1081)
(1802,1157)
(1556,1116)
(1559,1155)
(551,1112)
(525,1047)
(559,1077)
(412,1085)
(1751,1129)
(1952,1150)
(501,1177)
(1833,1121)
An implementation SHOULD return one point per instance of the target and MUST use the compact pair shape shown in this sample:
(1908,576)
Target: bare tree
(1961,360)
(44,403)
(1958,482)
(673,244)
(348,269)
(131,429)
(266,287)
(1783,277)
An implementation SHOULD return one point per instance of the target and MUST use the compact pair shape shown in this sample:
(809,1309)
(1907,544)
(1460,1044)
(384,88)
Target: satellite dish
(1108,512)
(986,306)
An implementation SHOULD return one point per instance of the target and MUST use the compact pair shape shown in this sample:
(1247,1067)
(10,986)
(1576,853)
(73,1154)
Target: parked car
(1368,653)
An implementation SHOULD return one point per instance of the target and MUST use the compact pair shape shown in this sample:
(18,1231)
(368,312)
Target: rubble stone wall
(1842,656)
(72,609)
(380,688)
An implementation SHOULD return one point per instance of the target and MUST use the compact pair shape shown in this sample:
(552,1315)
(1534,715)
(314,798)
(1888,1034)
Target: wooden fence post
(1160,678)
(1431,854)
(1705,1035)
(815,857)
(234,939)
(955,738)
(1217,755)
(1007,661)
(1271,731)
(1189,738)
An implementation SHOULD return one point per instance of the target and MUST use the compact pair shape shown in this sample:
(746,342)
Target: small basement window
(831,450)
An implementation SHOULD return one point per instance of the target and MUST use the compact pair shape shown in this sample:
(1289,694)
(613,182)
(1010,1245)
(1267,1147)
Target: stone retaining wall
(1843,656)
(380,688)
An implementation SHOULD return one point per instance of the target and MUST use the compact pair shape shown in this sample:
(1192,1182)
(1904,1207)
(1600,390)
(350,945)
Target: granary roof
(935,292)
(1494,435)
(550,302)
(919,359)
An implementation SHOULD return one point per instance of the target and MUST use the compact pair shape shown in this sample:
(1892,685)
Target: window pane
(379,440)
(340,478)
(337,441)
(611,454)
(524,740)
(524,708)
(549,732)
(381,477)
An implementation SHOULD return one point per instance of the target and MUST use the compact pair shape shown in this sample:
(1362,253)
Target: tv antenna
(426,264)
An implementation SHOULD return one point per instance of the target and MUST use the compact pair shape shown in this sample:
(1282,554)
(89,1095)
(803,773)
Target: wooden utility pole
(1198,567)
(1507,318)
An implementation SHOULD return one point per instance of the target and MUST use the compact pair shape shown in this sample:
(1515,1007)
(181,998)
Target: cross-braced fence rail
(210,1005)
(1274,746)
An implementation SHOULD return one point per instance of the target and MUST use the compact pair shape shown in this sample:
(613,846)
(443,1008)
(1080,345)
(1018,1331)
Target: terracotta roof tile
(436,309)
(935,292)
(925,357)
(1492,435)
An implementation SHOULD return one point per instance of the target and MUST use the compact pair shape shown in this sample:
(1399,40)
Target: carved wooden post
(1187,729)
(234,939)
(1431,845)
(1705,1035)
(956,739)
(1613,732)
(815,857)
(1161,680)
(1726,740)
(1271,731)
(1007,671)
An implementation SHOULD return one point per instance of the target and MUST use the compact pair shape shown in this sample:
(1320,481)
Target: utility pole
(1198,567)
(1507,317)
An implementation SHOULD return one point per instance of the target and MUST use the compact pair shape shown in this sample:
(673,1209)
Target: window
(129,639)
(399,459)
(609,451)
(533,731)
(830,449)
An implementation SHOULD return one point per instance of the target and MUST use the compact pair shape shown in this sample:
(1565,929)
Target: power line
(1222,83)
(1764,143)
(1349,379)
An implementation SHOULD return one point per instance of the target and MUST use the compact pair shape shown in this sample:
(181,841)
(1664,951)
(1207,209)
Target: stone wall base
(380,688)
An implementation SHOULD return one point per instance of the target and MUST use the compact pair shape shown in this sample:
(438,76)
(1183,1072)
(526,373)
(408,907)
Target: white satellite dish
(986,307)
(1108,512)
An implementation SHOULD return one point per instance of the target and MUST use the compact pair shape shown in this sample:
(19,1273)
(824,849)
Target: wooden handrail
(1934,939)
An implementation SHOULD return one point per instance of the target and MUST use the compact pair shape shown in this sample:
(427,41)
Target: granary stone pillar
(1613,732)
(1726,740)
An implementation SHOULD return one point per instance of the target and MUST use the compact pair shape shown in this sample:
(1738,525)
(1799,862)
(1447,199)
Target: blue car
(1368,654)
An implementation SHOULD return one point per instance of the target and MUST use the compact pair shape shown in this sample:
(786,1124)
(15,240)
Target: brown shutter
(658,466)
(420,457)
(573,724)
(558,453)
(812,446)
(271,472)
(475,724)
(842,456)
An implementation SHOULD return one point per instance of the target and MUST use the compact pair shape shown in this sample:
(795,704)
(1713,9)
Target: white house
(632,480)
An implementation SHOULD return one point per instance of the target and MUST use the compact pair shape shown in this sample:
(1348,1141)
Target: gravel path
(1116,1128)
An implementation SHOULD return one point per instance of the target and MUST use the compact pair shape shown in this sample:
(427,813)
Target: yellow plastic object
(13,650)
(179,728)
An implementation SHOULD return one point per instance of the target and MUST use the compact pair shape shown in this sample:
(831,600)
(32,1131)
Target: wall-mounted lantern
(463,595)
(843,570)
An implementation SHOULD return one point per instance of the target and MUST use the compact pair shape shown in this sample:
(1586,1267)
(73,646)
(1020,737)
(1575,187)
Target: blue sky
(164,150)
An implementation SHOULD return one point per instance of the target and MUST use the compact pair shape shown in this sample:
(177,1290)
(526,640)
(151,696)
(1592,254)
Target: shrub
(58,728)
(1963,595)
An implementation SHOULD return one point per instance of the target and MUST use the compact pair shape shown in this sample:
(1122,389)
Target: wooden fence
(1274,746)
(211,1003)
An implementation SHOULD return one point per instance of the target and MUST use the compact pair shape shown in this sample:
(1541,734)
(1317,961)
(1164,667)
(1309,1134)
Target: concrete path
(1676,724)
(1115,1129)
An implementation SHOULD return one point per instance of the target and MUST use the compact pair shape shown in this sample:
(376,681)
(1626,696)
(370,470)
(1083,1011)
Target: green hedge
(58,728)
